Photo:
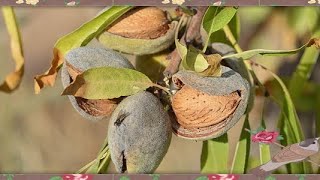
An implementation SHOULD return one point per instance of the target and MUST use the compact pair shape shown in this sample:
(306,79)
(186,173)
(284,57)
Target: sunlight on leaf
(108,83)
(195,60)
(13,80)
(80,37)
(215,19)
(234,26)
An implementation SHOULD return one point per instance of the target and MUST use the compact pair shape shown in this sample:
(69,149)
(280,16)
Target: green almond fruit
(141,31)
(139,134)
(81,59)
(207,107)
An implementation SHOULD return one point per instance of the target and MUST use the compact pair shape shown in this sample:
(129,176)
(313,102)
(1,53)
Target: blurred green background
(43,133)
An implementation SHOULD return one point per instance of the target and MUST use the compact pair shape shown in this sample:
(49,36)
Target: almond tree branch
(191,35)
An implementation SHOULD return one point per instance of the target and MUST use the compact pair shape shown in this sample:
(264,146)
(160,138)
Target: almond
(207,107)
(198,109)
(84,58)
(141,23)
(141,31)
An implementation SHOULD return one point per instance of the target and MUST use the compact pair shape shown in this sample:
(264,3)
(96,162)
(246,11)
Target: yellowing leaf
(214,68)
(108,83)
(80,37)
(13,79)
(195,60)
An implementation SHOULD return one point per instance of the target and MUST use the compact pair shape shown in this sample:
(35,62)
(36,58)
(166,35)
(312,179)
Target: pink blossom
(265,137)
(223,177)
(77,177)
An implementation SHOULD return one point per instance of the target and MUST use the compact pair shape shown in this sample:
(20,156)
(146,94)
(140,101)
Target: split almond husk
(207,107)
(235,64)
(141,31)
(139,134)
(82,59)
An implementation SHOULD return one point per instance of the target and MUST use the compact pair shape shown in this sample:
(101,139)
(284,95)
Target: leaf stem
(167,90)
(86,166)
(232,39)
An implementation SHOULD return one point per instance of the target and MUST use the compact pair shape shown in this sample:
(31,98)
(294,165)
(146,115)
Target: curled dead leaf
(80,37)
(13,80)
(314,42)
(49,77)
(214,68)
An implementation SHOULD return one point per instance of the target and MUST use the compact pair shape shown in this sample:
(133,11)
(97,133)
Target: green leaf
(265,155)
(195,60)
(303,71)
(124,178)
(260,128)
(104,162)
(318,115)
(214,156)
(56,178)
(100,164)
(80,37)
(215,19)
(296,85)
(289,124)
(9,176)
(301,176)
(271,178)
(202,178)
(155,176)
(265,52)
(108,83)
(234,26)
(241,157)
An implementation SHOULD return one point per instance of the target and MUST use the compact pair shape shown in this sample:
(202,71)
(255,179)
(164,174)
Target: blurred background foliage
(43,133)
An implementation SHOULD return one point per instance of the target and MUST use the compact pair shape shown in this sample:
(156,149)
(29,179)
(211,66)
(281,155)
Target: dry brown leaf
(314,42)
(80,37)
(49,77)
(13,80)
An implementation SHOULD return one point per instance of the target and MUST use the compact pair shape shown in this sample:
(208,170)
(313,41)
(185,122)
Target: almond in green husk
(139,134)
(81,59)
(142,30)
(207,107)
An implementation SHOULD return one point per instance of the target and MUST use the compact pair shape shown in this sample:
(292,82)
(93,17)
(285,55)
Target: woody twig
(192,35)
